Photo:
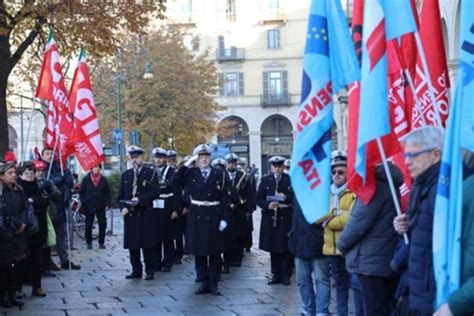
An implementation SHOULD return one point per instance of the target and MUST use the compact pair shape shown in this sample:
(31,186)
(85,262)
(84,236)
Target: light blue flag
(447,222)
(383,20)
(330,63)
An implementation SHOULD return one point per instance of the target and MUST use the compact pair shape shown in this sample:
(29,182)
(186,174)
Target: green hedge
(114,182)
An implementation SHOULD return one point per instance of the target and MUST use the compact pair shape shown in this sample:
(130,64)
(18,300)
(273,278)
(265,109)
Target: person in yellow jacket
(341,203)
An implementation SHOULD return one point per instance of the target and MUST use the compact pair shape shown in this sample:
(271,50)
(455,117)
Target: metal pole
(390,183)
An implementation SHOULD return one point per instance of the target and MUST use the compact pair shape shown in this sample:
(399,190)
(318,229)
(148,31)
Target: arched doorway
(277,139)
(233,132)
(12,138)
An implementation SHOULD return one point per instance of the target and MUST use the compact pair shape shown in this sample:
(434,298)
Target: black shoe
(101,246)
(285,281)
(65,266)
(166,269)
(247,249)
(198,280)
(178,261)
(215,291)
(14,301)
(149,277)
(49,274)
(274,280)
(133,276)
(89,246)
(226,270)
(203,289)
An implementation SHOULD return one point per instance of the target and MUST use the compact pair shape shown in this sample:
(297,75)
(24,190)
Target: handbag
(51,237)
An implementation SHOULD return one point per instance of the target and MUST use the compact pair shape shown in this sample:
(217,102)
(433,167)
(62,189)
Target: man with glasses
(423,151)
(341,203)
(138,189)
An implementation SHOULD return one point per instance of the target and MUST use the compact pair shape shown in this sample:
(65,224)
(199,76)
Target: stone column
(255,150)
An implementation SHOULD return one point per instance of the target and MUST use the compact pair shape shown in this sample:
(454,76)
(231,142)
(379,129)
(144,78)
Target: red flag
(87,140)
(433,44)
(398,110)
(51,88)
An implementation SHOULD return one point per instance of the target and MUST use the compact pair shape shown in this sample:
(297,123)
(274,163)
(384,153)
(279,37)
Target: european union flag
(317,36)
(447,221)
(330,63)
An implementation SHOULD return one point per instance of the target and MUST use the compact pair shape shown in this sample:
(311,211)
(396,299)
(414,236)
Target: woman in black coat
(37,239)
(13,244)
(95,198)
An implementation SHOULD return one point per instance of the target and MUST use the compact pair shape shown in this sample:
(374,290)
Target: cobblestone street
(100,287)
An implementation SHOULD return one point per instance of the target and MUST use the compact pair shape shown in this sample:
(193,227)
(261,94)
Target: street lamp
(148,72)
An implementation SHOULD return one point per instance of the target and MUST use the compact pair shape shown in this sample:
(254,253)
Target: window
(275,87)
(230,10)
(273,38)
(232,84)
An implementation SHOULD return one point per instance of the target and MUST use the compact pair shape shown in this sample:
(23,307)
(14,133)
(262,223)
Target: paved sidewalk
(100,287)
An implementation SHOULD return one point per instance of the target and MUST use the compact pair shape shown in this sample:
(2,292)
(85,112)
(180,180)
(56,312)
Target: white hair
(427,137)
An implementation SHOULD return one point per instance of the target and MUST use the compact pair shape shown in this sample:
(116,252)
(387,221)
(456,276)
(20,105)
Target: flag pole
(33,114)
(390,183)
(426,72)
(415,98)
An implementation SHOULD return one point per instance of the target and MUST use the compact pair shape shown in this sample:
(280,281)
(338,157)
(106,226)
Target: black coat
(140,222)
(203,237)
(421,283)
(40,203)
(64,181)
(95,198)
(368,239)
(166,228)
(275,239)
(239,204)
(305,240)
(12,209)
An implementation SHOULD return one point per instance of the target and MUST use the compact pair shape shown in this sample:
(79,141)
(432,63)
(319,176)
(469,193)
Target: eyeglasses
(413,155)
(338,172)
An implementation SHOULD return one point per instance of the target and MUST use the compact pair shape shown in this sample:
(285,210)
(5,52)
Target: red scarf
(95,179)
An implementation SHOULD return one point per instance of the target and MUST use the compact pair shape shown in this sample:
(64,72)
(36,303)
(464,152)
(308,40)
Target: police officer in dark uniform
(209,210)
(274,196)
(171,157)
(165,207)
(138,188)
(239,206)
(251,201)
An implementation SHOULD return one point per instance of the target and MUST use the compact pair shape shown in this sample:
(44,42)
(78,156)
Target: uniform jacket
(275,239)
(203,237)
(335,224)
(139,223)
(166,228)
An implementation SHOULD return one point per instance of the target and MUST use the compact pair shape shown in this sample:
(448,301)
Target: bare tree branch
(27,42)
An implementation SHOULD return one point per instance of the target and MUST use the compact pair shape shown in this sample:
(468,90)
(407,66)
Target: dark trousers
(179,246)
(35,265)
(12,277)
(341,277)
(164,254)
(101,219)
(148,257)
(208,268)
(5,280)
(377,293)
(281,265)
(46,259)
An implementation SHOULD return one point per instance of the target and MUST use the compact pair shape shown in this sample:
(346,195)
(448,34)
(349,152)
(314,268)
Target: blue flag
(447,221)
(330,63)
(383,20)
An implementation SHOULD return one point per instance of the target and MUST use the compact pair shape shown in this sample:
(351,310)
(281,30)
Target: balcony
(283,99)
(273,17)
(230,54)
(184,20)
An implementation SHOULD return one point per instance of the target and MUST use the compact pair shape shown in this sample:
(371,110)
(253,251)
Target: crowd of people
(204,208)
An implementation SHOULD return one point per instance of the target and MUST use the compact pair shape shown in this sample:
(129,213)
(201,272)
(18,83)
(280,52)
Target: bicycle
(79,219)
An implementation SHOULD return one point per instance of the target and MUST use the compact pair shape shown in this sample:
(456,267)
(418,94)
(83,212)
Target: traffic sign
(117,134)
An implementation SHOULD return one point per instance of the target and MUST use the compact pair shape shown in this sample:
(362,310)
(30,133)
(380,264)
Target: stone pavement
(100,287)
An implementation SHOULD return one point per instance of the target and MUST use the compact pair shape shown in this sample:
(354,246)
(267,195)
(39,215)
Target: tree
(24,25)
(177,103)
